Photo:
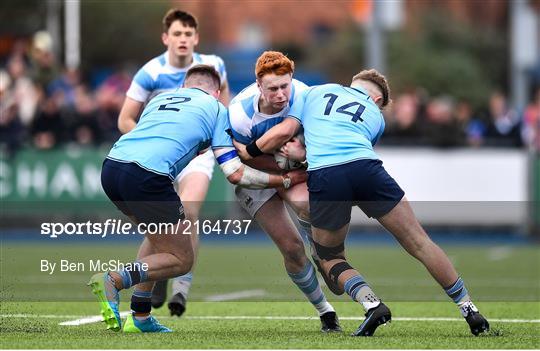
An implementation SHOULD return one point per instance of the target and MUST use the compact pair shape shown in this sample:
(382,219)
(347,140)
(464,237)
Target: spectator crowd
(45,105)
(415,119)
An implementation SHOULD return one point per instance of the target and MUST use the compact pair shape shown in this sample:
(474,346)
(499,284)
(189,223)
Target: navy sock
(141,301)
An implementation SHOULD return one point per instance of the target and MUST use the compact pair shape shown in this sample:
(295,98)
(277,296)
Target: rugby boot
(476,321)
(374,317)
(330,323)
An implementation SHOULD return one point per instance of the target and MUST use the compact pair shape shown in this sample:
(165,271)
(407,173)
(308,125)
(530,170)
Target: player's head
(205,78)
(274,73)
(180,32)
(375,84)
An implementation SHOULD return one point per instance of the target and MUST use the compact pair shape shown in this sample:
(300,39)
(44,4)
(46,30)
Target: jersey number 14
(344,108)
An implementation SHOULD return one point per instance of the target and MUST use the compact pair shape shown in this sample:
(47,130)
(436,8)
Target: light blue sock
(305,230)
(357,288)
(133,275)
(458,292)
(306,280)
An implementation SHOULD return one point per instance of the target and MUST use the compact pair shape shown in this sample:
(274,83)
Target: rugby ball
(285,163)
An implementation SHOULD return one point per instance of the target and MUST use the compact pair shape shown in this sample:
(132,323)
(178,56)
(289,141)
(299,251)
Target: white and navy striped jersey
(247,122)
(157,75)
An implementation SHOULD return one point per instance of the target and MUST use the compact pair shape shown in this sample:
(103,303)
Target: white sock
(141,318)
(182,284)
(324,307)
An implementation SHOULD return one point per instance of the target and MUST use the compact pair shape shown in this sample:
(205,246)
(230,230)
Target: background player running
(164,73)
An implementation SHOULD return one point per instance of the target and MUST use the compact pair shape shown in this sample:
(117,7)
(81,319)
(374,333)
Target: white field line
(44,316)
(244,294)
(359,318)
(499,253)
(95,319)
(89,320)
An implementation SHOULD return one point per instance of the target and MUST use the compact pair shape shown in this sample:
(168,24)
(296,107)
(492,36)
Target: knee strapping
(337,269)
(329,253)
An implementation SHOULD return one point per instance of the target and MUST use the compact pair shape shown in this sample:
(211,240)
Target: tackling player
(252,112)
(138,174)
(167,72)
(341,126)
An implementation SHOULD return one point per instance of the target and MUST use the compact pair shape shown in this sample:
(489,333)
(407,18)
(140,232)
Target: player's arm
(272,140)
(265,163)
(239,134)
(127,120)
(245,176)
(139,90)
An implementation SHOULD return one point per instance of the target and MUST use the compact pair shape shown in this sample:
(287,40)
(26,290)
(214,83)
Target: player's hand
(294,150)
(297,176)
(242,152)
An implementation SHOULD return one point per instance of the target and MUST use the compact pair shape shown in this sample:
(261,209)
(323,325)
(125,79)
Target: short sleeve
(221,69)
(240,120)
(221,137)
(241,138)
(141,86)
(379,133)
(298,106)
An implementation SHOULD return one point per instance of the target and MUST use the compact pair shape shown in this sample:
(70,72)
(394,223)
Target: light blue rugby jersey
(173,128)
(247,122)
(157,75)
(341,124)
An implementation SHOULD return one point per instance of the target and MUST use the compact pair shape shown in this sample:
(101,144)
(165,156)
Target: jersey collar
(360,90)
(176,69)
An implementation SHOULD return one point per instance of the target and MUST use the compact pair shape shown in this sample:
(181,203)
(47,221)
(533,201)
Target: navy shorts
(145,195)
(333,191)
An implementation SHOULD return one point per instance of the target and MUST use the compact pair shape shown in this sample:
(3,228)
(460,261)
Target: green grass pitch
(503,280)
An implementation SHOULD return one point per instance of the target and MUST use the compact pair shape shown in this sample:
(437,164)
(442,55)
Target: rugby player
(138,176)
(341,126)
(167,72)
(252,112)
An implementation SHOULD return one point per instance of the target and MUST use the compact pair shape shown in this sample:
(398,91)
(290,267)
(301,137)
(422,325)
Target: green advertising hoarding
(66,179)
